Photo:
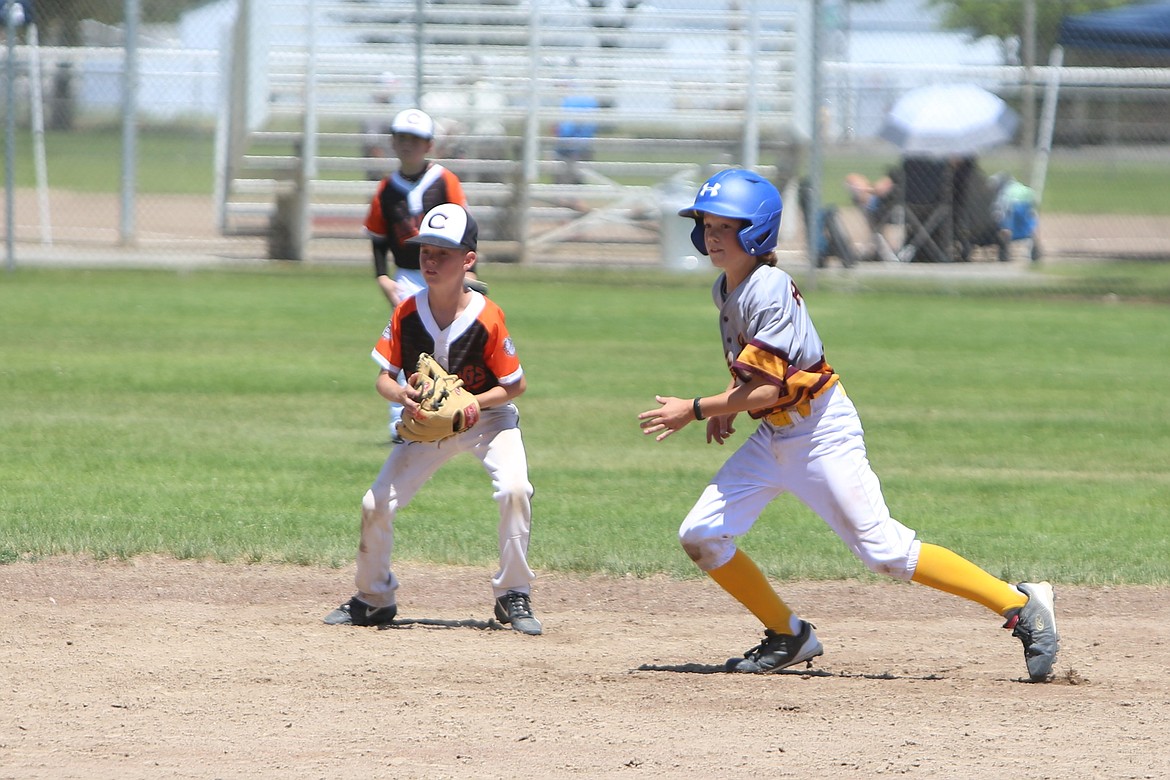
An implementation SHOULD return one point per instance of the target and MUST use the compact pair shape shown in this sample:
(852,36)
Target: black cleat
(516,608)
(356,612)
(778,651)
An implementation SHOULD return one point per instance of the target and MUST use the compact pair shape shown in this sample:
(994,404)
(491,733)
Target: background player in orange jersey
(402,198)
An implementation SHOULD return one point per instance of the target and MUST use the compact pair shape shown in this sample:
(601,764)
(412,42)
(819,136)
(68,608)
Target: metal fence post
(127,233)
(10,21)
(307,171)
(531,149)
(812,218)
(420,34)
(751,124)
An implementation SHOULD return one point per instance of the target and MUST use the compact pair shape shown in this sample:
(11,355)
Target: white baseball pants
(822,461)
(497,442)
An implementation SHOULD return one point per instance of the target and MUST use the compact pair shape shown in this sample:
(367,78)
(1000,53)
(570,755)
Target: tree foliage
(59,24)
(1004,19)
(60,19)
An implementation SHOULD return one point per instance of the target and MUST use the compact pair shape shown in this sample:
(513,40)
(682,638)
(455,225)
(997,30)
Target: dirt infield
(157,668)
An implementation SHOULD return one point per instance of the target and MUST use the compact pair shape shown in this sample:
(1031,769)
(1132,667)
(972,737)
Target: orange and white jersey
(476,347)
(767,332)
(398,206)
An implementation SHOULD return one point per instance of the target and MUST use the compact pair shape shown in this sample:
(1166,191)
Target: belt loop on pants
(802,411)
(790,417)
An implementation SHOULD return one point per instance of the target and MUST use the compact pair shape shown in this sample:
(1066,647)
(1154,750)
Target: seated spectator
(864,192)
(575,136)
(875,198)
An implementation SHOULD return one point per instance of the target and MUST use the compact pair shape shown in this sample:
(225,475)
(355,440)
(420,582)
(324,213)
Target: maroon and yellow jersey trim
(797,386)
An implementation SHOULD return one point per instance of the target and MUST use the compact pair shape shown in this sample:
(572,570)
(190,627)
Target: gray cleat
(1035,625)
(516,608)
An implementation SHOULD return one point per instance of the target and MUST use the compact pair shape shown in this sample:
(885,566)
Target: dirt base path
(157,668)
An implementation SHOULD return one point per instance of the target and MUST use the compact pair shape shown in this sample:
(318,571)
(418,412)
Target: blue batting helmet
(739,194)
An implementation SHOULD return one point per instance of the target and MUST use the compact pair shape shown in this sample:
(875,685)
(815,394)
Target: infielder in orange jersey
(466,334)
(809,442)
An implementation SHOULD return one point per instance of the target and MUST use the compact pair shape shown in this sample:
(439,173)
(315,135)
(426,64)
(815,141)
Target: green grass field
(231,416)
(174,160)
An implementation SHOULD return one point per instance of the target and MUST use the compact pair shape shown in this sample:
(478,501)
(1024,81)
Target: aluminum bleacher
(667,93)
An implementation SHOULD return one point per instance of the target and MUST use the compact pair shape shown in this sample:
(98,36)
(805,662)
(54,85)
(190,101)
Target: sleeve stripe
(383,362)
(759,359)
(511,378)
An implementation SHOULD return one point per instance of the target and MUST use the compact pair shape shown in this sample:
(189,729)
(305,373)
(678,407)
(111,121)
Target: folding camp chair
(833,239)
(928,210)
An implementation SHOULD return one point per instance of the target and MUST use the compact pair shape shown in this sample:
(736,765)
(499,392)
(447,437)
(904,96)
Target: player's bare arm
(391,290)
(674,414)
(388,387)
(721,426)
(501,394)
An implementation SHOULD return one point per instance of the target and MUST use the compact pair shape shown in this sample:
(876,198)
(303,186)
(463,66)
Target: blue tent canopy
(1132,29)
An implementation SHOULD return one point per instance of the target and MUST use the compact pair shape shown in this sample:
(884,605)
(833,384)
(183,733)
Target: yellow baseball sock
(747,584)
(941,569)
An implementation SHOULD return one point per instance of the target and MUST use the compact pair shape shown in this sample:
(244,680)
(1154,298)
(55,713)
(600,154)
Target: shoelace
(517,605)
(770,640)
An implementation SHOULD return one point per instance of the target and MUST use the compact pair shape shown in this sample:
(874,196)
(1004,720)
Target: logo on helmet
(709,190)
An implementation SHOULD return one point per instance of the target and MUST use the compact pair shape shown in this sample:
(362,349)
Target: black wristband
(697,408)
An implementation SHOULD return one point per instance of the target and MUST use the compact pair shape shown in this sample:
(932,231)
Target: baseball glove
(445,408)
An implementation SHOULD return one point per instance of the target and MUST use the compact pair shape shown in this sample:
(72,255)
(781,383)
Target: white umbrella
(949,119)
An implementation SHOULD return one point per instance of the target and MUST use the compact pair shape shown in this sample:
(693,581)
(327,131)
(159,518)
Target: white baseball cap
(448,225)
(413,122)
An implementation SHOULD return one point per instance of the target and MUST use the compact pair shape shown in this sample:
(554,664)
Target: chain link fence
(242,130)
